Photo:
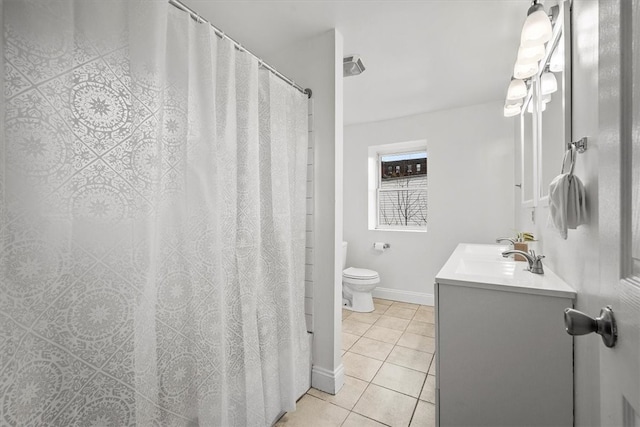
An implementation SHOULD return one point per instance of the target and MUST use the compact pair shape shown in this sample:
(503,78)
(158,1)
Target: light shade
(546,98)
(517,90)
(511,111)
(525,70)
(512,107)
(530,54)
(537,27)
(548,83)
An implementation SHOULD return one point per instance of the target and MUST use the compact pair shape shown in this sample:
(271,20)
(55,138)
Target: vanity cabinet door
(503,358)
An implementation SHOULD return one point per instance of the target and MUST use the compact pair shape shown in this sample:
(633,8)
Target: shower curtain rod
(196,16)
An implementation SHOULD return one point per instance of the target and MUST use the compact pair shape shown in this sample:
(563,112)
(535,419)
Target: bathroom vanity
(503,357)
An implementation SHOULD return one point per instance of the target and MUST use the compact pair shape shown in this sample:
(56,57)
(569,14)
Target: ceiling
(420,55)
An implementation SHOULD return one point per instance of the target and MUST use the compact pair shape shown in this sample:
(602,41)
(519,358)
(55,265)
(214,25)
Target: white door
(619,189)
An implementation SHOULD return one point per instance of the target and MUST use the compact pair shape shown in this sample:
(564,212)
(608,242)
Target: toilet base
(361,302)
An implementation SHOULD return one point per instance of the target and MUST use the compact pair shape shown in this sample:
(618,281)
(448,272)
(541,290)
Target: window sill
(399,230)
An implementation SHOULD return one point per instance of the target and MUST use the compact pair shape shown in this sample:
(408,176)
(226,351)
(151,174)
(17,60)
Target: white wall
(470,172)
(576,259)
(317,63)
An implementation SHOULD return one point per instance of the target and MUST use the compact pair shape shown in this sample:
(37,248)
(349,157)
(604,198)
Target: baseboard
(328,381)
(404,296)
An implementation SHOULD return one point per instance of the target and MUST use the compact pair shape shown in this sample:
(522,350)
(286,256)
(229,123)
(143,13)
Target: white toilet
(357,285)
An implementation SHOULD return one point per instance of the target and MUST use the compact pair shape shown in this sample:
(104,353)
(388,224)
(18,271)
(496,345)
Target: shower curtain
(152,185)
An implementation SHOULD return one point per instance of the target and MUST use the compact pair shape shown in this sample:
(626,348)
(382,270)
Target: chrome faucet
(535,261)
(503,239)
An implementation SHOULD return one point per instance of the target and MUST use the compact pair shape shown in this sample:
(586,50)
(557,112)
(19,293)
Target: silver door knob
(578,323)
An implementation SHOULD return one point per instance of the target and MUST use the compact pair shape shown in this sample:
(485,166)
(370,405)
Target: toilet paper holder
(384,246)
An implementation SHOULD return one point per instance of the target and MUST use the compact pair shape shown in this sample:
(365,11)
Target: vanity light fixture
(537,27)
(536,31)
(530,54)
(512,108)
(548,83)
(511,112)
(526,70)
(546,98)
(517,89)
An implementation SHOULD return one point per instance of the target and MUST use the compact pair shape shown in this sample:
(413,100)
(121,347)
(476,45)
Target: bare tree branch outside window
(402,195)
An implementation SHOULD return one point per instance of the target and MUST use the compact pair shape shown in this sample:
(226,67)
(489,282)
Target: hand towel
(576,203)
(567,198)
(567,203)
(558,197)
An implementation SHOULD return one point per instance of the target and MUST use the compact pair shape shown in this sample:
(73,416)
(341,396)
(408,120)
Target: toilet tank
(344,255)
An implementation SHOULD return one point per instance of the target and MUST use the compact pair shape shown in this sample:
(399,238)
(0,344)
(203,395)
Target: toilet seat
(359,277)
(359,273)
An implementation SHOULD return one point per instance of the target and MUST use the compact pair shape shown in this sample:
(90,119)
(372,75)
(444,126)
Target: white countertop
(482,266)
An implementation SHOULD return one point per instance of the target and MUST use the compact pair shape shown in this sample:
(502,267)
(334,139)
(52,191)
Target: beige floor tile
(357,420)
(380,308)
(359,366)
(369,318)
(402,313)
(392,323)
(387,335)
(417,342)
(386,406)
(405,305)
(429,390)
(348,340)
(311,411)
(346,313)
(400,379)
(422,328)
(354,327)
(372,348)
(348,394)
(425,415)
(382,301)
(409,358)
(425,315)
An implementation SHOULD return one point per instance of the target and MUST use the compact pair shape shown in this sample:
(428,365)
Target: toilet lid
(359,273)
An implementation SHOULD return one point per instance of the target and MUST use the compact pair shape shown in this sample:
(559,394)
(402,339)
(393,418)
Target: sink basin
(484,249)
(493,252)
(486,268)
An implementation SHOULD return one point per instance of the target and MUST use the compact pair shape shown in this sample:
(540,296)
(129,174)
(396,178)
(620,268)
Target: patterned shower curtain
(152,210)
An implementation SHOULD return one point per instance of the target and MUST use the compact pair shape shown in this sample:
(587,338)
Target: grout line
(369,383)
(369,418)
(363,392)
(418,400)
(414,370)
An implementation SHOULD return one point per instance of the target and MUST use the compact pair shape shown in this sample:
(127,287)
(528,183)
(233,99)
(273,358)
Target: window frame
(375,182)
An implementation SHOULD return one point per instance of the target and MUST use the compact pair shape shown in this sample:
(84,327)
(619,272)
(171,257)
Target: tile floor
(388,362)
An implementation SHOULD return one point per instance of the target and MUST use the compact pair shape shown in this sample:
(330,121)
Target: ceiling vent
(352,66)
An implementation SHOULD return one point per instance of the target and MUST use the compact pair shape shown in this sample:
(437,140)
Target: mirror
(527,152)
(554,123)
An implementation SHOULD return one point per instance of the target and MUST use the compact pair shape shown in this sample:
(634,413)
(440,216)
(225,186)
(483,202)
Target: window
(398,187)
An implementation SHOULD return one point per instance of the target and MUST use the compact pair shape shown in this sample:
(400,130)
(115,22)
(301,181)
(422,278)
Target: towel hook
(580,145)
